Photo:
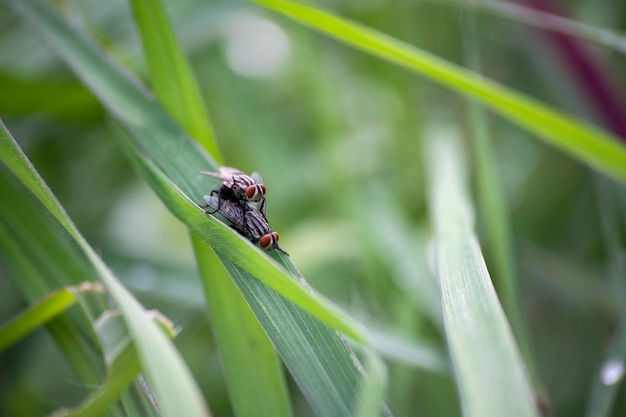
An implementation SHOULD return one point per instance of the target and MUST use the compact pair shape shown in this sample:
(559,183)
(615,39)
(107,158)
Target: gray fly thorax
(236,184)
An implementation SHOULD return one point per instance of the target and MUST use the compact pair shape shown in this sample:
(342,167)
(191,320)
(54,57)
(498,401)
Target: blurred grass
(263,391)
(333,131)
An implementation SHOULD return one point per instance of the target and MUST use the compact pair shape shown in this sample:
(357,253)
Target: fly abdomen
(256,224)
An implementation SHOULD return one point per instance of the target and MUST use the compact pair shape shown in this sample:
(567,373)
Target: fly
(248,221)
(239,188)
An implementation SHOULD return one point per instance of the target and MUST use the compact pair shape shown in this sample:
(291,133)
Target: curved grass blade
(171,381)
(236,250)
(255,378)
(319,359)
(40,313)
(585,142)
(490,373)
(39,254)
(172,151)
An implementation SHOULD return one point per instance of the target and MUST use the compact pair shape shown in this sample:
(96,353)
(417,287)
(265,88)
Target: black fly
(247,220)
(239,188)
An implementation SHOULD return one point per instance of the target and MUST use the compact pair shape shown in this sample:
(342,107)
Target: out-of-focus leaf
(585,142)
(36,315)
(243,343)
(489,370)
(171,381)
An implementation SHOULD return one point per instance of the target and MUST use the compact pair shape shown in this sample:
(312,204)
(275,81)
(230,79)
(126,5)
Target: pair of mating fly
(241,200)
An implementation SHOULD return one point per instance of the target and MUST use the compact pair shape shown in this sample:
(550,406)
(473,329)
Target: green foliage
(372,196)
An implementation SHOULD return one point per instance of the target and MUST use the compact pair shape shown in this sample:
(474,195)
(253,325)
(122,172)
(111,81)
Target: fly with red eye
(248,221)
(238,187)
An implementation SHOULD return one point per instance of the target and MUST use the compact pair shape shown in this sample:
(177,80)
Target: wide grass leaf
(490,372)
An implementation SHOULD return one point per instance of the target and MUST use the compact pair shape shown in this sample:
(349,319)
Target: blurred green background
(336,135)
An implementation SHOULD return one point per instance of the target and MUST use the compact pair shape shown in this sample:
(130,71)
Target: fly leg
(219,202)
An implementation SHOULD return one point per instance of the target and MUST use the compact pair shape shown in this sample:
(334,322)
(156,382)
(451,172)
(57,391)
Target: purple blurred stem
(594,81)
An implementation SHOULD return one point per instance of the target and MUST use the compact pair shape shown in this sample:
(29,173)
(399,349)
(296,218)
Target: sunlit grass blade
(585,142)
(39,313)
(244,345)
(171,381)
(490,373)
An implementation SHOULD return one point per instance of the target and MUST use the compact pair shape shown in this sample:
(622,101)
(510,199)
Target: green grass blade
(496,225)
(253,371)
(171,381)
(255,379)
(489,370)
(39,254)
(331,385)
(236,250)
(373,391)
(172,78)
(39,314)
(319,360)
(179,159)
(67,101)
(586,143)
(611,373)
(122,368)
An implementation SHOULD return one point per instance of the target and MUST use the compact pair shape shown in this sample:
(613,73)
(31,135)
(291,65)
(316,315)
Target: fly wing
(216,175)
(230,172)
(211,201)
(231,211)
(257,177)
(261,206)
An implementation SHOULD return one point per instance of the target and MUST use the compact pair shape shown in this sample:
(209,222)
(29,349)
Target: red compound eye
(269,241)
(255,192)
